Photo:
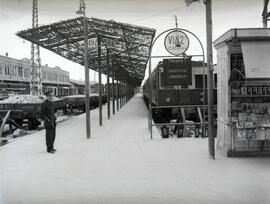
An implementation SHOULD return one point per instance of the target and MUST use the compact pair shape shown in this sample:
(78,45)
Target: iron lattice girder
(265,13)
(128,45)
(123,61)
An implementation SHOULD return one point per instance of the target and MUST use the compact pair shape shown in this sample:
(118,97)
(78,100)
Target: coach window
(215,80)
(199,81)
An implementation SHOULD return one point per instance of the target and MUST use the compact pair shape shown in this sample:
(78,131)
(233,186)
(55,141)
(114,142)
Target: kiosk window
(256,58)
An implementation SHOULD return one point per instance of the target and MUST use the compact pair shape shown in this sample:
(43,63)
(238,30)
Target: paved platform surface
(121,165)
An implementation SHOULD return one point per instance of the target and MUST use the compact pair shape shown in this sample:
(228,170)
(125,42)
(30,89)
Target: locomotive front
(177,83)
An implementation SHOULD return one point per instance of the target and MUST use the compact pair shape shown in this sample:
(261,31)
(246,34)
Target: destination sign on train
(176,42)
(177,72)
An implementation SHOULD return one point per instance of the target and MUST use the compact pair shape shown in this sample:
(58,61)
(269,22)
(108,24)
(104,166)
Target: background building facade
(15,77)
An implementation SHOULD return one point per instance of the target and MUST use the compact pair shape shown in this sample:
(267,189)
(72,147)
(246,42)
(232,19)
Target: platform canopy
(128,45)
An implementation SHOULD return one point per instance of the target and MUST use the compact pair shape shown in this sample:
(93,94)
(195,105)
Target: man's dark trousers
(50,136)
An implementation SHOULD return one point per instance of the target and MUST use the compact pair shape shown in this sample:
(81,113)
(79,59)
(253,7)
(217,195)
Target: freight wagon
(25,109)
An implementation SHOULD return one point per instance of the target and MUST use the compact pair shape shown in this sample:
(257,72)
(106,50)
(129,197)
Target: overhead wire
(154,15)
(184,12)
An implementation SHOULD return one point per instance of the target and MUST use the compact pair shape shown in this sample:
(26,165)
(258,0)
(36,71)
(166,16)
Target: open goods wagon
(25,109)
(78,102)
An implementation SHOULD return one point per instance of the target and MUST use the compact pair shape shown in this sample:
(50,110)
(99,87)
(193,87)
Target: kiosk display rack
(243,64)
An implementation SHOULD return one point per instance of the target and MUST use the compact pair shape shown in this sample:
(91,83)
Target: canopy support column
(121,94)
(117,95)
(99,81)
(125,93)
(108,86)
(211,137)
(113,90)
(87,97)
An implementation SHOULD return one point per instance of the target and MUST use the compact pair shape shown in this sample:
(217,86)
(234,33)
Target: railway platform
(120,164)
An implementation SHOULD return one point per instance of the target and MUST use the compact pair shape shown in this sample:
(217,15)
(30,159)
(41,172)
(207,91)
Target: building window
(14,70)
(20,71)
(55,77)
(44,75)
(26,72)
(1,69)
(7,70)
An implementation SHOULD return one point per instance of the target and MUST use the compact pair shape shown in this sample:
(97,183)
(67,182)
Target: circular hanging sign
(176,42)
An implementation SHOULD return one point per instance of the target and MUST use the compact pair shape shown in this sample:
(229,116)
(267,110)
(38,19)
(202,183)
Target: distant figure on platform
(47,115)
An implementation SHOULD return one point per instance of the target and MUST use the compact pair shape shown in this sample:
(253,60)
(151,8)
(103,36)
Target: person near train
(48,116)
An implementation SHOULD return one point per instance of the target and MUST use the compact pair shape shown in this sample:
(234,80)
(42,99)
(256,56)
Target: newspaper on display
(252,127)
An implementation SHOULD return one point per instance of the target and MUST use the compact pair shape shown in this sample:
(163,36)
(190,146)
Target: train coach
(178,83)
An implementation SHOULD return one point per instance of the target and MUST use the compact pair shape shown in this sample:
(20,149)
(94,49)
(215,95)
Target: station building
(78,87)
(15,77)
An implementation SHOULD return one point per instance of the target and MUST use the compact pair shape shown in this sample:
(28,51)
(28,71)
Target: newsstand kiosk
(243,63)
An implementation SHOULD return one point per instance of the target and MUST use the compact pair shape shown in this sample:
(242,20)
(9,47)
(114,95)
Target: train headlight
(168,99)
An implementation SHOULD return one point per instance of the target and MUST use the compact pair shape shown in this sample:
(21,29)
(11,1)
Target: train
(177,91)
(18,110)
(77,102)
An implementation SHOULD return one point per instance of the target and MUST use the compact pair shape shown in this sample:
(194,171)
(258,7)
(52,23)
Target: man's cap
(46,93)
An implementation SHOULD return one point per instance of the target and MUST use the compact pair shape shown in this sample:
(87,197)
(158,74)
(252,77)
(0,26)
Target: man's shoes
(52,151)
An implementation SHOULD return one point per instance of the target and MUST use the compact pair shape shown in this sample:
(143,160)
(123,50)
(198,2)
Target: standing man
(47,115)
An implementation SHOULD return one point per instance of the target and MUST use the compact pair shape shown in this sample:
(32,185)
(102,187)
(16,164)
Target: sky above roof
(16,15)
